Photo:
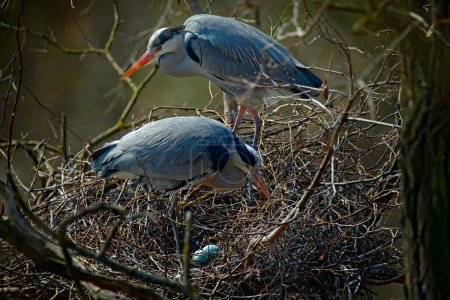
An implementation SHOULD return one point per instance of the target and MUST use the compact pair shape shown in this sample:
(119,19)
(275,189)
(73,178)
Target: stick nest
(344,240)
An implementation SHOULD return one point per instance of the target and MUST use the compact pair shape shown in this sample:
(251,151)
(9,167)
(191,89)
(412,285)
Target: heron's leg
(239,117)
(258,126)
(173,221)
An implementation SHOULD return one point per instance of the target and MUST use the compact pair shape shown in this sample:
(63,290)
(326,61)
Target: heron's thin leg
(173,221)
(258,126)
(239,117)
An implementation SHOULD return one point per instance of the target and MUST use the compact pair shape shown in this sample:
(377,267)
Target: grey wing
(236,51)
(174,148)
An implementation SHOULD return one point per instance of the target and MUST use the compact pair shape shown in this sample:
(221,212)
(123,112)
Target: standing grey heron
(241,60)
(176,153)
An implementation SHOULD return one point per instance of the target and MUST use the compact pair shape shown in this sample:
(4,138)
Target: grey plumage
(234,56)
(243,61)
(175,153)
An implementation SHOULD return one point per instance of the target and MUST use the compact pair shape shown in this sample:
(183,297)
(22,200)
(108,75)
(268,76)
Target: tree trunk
(425,103)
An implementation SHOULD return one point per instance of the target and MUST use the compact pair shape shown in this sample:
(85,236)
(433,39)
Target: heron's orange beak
(141,62)
(257,179)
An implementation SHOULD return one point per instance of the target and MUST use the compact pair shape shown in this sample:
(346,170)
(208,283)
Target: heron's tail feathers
(100,159)
(313,79)
(307,78)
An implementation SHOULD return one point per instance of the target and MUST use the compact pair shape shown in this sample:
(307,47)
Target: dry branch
(18,232)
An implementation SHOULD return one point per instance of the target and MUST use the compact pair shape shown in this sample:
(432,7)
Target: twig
(299,32)
(189,290)
(42,251)
(194,7)
(374,122)
(29,144)
(64,137)
(173,221)
(19,86)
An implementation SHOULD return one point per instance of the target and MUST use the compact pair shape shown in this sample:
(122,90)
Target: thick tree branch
(17,231)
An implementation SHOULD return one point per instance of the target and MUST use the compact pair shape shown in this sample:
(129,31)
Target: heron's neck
(173,63)
(177,62)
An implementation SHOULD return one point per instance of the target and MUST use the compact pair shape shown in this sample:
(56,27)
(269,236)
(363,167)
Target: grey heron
(240,59)
(176,153)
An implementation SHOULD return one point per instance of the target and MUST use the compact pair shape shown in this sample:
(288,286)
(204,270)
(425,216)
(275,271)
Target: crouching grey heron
(241,60)
(176,153)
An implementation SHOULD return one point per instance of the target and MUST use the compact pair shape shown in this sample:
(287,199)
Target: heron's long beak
(141,62)
(257,179)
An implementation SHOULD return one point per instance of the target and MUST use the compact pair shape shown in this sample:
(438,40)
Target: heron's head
(250,165)
(164,40)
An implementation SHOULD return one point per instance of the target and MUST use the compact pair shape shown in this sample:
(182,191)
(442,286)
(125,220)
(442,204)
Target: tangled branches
(341,242)
(331,166)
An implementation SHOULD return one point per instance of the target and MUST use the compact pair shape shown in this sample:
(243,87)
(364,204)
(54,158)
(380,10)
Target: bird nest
(342,239)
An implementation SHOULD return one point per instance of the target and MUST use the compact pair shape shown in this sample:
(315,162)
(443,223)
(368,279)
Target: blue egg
(205,255)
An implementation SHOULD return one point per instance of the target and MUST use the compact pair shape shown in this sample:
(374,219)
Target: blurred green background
(89,91)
